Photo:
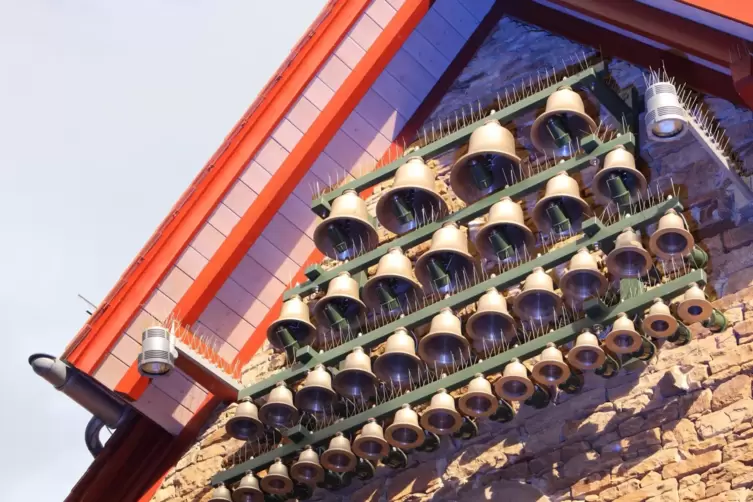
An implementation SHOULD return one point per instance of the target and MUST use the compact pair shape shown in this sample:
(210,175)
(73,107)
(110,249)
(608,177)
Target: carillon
(496,332)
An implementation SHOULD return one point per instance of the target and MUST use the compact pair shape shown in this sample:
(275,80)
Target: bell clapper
(505,412)
(467,430)
(401,208)
(717,322)
(557,127)
(481,172)
(560,221)
(396,458)
(610,368)
(541,397)
(574,382)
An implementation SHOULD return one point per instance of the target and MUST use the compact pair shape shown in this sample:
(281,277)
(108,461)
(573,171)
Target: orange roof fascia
(734,10)
(298,162)
(195,206)
(287,177)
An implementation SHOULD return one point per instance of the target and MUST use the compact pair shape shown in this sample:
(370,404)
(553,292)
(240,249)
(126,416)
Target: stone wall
(676,429)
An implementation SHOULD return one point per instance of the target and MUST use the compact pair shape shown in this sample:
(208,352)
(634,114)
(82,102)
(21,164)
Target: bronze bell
(694,307)
(293,325)
(489,165)
(355,379)
(659,322)
(411,200)
(564,121)
(441,417)
(279,410)
(245,424)
(444,344)
(628,259)
(307,469)
(562,210)
(447,262)
(514,384)
(505,235)
(619,180)
(537,301)
(347,231)
(221,494)
(393,285)
(316,396)
(398,364)
(404,432)
(248,490)
(370,443)
(478,400)
(341,305)
(582,278)
(491,322)
(671,238)
(551,368)
(277,481)
(623,339)
(586,355)
(338,457)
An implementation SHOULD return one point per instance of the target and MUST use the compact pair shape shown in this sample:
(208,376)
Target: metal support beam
(584,79)
(594,233)
(320,278)
(456,380)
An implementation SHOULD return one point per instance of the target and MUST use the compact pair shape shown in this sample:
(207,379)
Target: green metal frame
(594,232)
(591,78)
(319,278)
(604,315)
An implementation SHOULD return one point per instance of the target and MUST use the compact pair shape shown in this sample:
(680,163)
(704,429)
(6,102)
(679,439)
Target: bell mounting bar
(591,78)
(597,150)
(594,233)
(604,316)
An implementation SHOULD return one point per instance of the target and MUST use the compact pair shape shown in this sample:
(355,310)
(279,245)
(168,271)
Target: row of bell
(448,261)
(490,164)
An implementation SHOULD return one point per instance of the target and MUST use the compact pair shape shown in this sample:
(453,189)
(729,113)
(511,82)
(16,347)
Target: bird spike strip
(589,78)
(603,315)
(535,177)
(595,233)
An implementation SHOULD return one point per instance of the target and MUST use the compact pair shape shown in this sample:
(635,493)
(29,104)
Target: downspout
(106,409)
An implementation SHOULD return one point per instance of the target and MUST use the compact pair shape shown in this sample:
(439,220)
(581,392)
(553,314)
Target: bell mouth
(398,369)
(578,125)
(370,448)
(520,238)
(574,208)
(586,358)
(692,311)
(404,436)
(244,428)
(583,284)
(514,388)
(660,325)
(278,415)
(502,168)
(628,263)
(551,372)
(491,326)
(315,399)
(308,473)
(402,289)
(478,405)
(276,484)
(355,383)
(671,242)
(457,266)
(346,307)
(634,181)
(537,305)
(424,205)
(338,460)
(623,342)
(360,236)
(303,332)
(441,422)
(445,349)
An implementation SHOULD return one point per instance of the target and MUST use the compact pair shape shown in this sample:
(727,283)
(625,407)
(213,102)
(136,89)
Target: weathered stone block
(713,424)
(692,465)
(731,391)
(593,483)
(641,494)
(641,466)
(733,356)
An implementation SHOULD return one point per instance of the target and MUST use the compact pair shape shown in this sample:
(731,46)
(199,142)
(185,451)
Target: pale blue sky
(107,112)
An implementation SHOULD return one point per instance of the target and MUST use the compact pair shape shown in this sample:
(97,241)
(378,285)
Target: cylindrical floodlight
(158,352)
(666,119)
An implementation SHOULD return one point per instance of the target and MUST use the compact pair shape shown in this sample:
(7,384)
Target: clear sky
(107,112)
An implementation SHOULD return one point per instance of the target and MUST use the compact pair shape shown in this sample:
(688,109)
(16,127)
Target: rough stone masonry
(677,429)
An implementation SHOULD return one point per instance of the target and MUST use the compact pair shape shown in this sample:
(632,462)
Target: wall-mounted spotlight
(158,352)
(666,119)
